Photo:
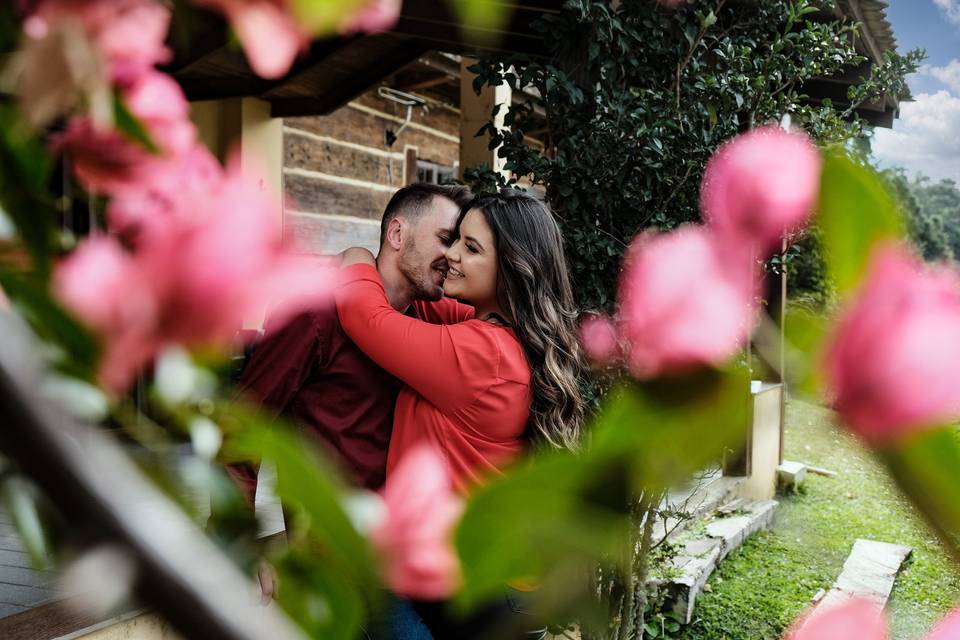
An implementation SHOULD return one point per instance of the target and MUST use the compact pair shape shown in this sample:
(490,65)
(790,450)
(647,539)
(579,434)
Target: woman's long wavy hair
(533,290)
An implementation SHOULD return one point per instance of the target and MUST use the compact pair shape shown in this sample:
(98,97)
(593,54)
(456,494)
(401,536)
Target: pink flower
(376,16)
(948,628)
(159,104)
(851,619)
(224,263)
(857,618)
(104,161)
(209,257)
(416,536)
(101,283)
(893,364)
(167,187)
(683,302)
(271,37)
(129,33)
(599,337)
(760,185)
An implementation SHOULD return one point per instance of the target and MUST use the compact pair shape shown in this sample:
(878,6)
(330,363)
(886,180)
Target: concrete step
(868,573)
(696,502)
(698,556)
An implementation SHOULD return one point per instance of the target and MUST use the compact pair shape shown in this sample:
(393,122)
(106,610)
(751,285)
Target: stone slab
(698,501)
(868,573)
(699,557)
(733,530)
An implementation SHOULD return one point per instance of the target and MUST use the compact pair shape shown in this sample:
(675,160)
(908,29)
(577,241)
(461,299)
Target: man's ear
(396,232)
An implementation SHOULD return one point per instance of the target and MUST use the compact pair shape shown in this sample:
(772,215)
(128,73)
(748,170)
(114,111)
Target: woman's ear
(396,230)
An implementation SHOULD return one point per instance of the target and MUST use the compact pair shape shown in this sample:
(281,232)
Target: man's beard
(420,275)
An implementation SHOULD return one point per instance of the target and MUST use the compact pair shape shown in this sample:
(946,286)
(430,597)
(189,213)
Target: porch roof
(336,70)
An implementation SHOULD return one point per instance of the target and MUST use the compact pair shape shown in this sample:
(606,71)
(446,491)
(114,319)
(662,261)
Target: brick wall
(338,173)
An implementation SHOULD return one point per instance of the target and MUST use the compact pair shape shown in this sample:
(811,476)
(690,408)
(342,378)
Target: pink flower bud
(416,537)
(158,102)
(854,618)
(948,628)
(686,301)
(760,185)
(599,337)
(270,36)
(102,284)
(893,364)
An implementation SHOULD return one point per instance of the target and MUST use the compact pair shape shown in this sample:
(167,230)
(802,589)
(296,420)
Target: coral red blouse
(467,381)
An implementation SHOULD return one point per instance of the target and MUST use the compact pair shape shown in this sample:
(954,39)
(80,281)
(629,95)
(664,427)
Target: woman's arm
(447,364)
(443,311)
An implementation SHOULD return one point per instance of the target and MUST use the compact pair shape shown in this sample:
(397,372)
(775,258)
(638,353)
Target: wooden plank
(868,573)
(326,235)
(52,620)
(366,128)
(312,154)
(315,195)
(410,165)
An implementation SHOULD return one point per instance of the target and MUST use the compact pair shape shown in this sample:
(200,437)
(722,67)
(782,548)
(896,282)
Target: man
(310,371)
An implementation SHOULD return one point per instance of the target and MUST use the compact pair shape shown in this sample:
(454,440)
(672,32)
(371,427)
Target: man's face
(422,257)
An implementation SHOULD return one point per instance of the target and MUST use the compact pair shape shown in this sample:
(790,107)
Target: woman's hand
(356,255)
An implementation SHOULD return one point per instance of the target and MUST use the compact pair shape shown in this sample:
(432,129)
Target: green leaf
(314,594)
(856,212)
(24,181)
(20,498)
(544,521)
(131,127)
(305,480)
(482,20)
(804,334)
(323,17)
(669,428)
(925,466)
(79,350)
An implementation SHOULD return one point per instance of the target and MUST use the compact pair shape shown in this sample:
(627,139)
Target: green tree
(638,96)
(940,202)
(925,223)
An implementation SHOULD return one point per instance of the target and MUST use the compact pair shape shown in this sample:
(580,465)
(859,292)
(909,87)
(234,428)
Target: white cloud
(950,8)
(948,74)
(925,139)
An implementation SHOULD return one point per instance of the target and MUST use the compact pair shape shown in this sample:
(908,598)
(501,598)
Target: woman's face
(473,263)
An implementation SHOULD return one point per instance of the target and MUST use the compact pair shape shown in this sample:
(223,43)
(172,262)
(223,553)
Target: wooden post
(261,162)
(475,111)
(409,164)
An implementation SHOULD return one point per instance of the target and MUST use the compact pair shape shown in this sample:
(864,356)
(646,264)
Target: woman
(488,381)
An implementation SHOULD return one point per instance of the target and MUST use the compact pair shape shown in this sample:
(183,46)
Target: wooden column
(243,126)
(410,164)
(475,112)
(261,162)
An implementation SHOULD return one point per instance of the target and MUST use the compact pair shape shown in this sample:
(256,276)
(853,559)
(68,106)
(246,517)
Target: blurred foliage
(847,191)
(637,98)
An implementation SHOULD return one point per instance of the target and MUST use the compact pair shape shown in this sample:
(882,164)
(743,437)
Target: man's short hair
(414,199)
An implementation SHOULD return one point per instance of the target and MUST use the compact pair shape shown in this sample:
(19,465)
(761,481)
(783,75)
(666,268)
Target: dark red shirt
(309,371)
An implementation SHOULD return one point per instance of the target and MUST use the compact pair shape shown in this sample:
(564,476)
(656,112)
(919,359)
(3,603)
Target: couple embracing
(460,334)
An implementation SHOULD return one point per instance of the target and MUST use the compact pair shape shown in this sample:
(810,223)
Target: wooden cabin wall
(339,174)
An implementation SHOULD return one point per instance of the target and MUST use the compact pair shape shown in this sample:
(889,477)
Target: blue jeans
(400,622)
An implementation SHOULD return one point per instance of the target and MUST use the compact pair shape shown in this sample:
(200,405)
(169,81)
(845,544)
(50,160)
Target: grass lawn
(761,587)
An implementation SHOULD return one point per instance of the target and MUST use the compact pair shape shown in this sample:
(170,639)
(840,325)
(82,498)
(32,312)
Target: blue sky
(926,138)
